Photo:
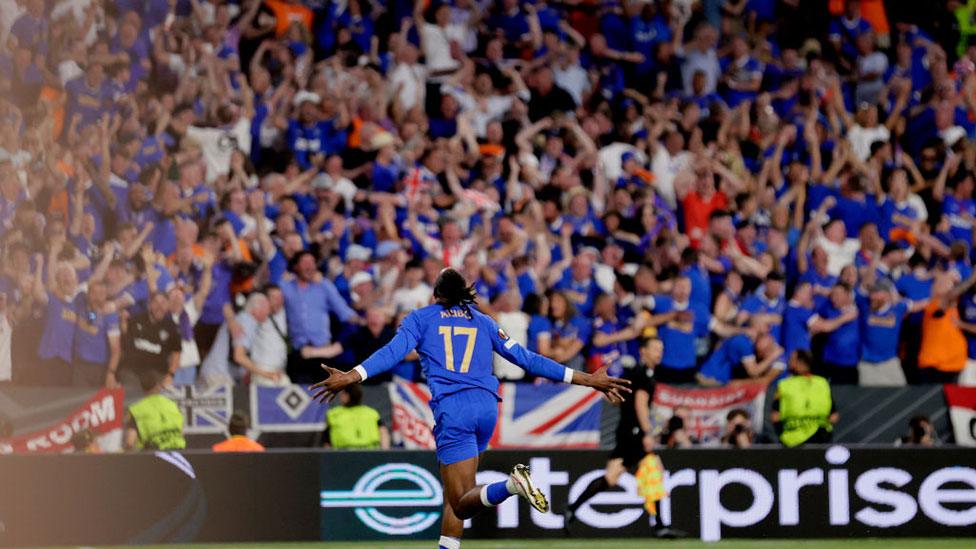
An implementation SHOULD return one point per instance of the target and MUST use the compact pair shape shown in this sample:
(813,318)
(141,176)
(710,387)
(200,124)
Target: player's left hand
(613,387)
(338,380)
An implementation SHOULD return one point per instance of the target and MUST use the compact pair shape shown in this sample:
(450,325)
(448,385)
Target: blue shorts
(463,424)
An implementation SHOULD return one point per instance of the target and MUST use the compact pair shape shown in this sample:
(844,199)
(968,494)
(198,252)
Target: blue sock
(496,493)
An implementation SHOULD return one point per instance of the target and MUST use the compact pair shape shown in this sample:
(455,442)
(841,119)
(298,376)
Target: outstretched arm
(381,361)
(540,366)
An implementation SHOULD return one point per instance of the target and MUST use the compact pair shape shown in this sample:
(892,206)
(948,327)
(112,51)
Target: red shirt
(696,212)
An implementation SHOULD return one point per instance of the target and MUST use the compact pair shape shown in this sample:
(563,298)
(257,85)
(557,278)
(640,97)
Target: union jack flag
(547,416)
(206,410)
(419,179)
(412,419)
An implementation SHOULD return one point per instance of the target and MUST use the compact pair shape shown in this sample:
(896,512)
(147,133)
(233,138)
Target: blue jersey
(59,329)
(960,214)
(678,337)
(880,330)
(758,303)
(796,332)
(843,345)
(455,347)
(727,357)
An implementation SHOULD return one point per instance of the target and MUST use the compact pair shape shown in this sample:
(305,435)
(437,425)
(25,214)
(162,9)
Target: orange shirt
(943,343)
(873,11)
(238,443)
(287,13)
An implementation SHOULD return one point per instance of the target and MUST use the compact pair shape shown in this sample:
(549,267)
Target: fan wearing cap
(310,134)
(635,175)
(356,262)
(881,316)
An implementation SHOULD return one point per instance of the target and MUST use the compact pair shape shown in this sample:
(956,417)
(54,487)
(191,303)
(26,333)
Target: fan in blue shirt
(881,317)
(675,320)
(842,348)
(796,320)
(767,304)
(455,342)
(958,205)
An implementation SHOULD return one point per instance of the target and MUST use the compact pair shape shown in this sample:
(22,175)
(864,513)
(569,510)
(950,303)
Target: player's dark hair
(451,290)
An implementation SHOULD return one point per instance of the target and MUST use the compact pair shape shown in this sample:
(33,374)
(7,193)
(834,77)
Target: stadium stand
(235,192)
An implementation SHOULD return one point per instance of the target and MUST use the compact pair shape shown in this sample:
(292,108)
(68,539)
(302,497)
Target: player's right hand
(338,380)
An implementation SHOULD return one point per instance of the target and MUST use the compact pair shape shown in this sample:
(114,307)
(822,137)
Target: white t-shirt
(269,350)
(437,46)
(665,168)
(861,139)
(516,325)
(408,299)
(574,80)
(839,255)
(412,81)
(218,145)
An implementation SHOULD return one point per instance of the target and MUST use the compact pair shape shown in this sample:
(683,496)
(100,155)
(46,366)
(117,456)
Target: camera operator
(738,430)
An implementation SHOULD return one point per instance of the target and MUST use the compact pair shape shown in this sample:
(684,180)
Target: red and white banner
(413,422)
(704,410)
(962,411)
(102,414)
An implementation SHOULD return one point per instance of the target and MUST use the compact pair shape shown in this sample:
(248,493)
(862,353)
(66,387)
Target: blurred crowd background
(235,192)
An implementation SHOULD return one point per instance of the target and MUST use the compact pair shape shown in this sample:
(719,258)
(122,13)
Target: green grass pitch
(573,543)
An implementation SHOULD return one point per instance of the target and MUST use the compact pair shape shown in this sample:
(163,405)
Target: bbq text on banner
(707,408)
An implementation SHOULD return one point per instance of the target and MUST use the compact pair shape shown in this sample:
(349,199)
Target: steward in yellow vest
(155,422)
(803,406)
(353,425)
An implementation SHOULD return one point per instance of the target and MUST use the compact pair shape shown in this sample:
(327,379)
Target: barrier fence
(321,495)
(40,419)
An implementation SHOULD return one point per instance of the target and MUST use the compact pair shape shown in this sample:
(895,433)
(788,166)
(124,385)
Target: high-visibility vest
(159,422)
(353,427)
(804,407)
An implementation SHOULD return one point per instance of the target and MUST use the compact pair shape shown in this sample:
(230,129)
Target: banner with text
(101,414)
(206,410)
(704,410)
(814,492)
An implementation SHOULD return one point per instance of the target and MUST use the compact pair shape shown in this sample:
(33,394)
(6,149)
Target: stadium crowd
(238,191)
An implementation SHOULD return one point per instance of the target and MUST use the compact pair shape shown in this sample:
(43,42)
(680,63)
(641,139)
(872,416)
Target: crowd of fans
(238,191)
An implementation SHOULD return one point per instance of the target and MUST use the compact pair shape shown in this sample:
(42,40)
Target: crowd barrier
(288,417)
(819,492)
